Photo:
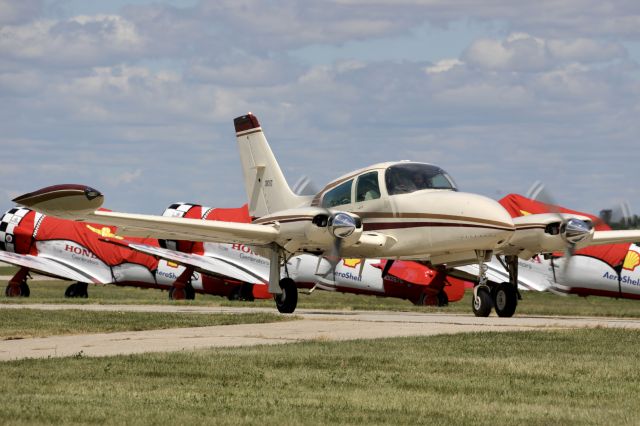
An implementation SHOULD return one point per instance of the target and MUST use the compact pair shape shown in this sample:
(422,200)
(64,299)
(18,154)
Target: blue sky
(137,98)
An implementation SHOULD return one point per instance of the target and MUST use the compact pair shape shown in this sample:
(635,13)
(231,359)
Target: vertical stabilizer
(266,187)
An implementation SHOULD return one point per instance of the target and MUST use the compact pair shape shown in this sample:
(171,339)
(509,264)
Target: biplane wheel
(190,293)
(505,299)
(246,292)
(70,291)
(235,294)
(482,304)
(443,299)
(13,291)
(288,300)
(77,290)
(25,291)
(177,293)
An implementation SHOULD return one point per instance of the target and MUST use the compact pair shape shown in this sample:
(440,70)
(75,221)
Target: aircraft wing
(82,203)
(612,237)
(172,228)
(211,265)
(548,233)
(45,266)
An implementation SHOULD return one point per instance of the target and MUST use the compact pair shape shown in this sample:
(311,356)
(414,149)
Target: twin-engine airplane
(396,211)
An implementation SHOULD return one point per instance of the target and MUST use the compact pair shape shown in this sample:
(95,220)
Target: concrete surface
(325,325)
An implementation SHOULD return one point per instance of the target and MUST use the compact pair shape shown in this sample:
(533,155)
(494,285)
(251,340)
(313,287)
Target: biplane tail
(266,186)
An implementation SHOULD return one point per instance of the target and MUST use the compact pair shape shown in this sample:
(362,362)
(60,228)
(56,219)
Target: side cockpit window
(339,195)
(367,187)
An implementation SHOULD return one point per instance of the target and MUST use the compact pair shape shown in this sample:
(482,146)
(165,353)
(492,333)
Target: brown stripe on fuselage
(377,226)
(379,215)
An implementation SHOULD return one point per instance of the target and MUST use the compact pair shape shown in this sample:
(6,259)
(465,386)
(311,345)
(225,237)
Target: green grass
(8,270)
(533,303)
(534,378)
(24,323)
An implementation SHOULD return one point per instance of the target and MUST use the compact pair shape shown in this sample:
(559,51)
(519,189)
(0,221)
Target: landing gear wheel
(482,303)
(25,291)
(505,299)
(235,294)
(443,299)
(288,300)
(190,293)
(70,291)
(246,292)
(13,291)
(177,293)
(77,290)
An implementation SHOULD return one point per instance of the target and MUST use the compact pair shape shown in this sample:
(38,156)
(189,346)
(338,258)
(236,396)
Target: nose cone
(67,201)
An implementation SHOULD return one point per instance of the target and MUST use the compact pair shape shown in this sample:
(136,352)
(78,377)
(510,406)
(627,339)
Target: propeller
(340,226)
(305,186)
(572,230)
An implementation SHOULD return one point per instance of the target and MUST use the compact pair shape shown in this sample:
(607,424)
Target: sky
(137,98)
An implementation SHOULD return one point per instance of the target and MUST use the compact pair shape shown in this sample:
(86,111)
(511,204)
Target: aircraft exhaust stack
(65,201)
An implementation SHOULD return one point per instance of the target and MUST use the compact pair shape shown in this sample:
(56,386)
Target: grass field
(533,378)
(533,303)
(24,323)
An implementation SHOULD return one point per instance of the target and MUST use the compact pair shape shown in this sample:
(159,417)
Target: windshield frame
(405,178)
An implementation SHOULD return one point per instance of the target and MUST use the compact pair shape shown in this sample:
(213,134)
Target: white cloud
(443,66)
(78,41)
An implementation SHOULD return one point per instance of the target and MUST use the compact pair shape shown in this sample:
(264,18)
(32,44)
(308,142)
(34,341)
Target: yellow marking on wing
(104,232)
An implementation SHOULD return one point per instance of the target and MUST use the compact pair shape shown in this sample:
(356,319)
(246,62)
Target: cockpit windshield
(404,178)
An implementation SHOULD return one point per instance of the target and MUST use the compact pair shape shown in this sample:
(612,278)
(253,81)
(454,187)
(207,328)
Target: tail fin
(266,186)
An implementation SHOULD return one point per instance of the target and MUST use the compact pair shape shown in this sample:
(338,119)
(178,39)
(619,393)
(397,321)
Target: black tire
(12,291)
(77,290)
(482,304)
(235,294)
(177,293)
(82,290)
(443,299)
(191,293)
(288,300)
(505,299)
(246,292)
(70,291)
(25,291)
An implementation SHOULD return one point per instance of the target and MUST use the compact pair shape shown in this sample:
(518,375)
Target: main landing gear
(17,286)
(182,288)
(287,301)
(285,292)
(488,295)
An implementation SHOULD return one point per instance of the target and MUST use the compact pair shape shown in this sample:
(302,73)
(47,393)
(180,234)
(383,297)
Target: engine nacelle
(548,233)
(315,229)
